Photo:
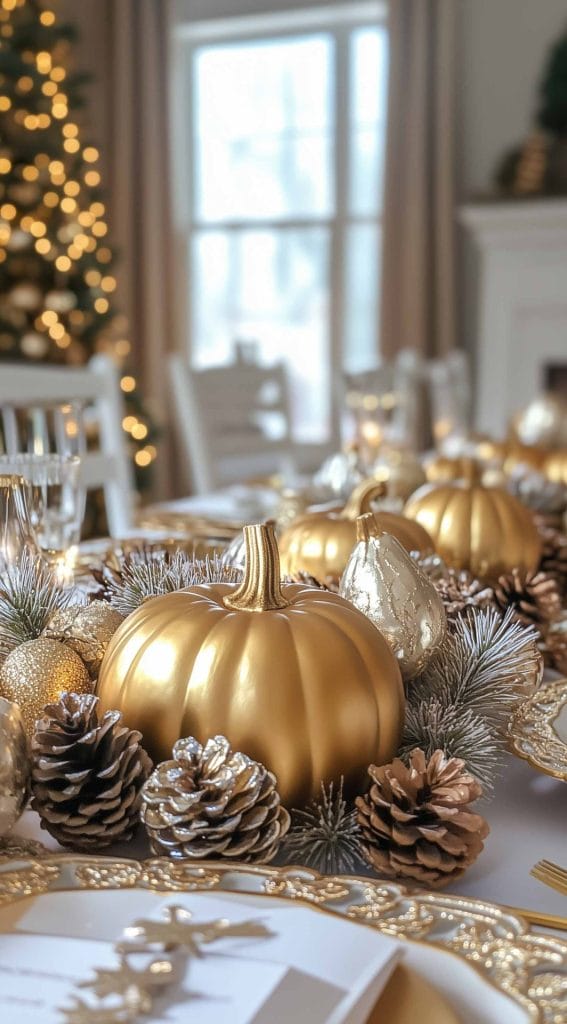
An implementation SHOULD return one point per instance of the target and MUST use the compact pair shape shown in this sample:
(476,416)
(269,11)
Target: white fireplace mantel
(522,302)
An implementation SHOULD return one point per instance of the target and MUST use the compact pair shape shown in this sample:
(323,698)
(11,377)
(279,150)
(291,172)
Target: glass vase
(15,526)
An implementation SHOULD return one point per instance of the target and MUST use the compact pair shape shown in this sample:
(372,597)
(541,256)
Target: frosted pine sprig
(162,574)
(325,835)
(462,701)
(29,596)
(458,732)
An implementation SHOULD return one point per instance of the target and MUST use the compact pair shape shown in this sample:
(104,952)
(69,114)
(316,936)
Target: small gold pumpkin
(442,468)
(482,529)
(524,455)
(294,676)
(320,543)
(555,467)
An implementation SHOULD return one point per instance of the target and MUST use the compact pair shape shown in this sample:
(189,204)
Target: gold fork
(551,874)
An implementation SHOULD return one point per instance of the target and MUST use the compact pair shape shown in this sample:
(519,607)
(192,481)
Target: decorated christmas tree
(56,266)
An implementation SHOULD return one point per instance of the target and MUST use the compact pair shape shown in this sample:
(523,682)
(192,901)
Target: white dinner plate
(482,959)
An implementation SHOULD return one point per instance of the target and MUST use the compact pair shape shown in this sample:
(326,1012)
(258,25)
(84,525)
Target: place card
(39,975)
(345,965)
(310,968)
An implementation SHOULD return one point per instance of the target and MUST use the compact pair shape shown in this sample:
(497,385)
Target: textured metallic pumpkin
(295,677)
(482,529)
(320,543)
(555,467)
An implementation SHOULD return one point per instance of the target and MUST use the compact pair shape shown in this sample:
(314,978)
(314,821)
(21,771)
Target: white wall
(502,48)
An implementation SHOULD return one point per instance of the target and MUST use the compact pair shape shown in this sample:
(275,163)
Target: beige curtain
(124,45)
(418,282)
(139,182)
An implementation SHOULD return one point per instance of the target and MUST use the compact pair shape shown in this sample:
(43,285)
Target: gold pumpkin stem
(367,527)
(361,497)
(470,471)
(260,590)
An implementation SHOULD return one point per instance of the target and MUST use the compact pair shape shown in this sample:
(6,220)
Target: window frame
(188,36)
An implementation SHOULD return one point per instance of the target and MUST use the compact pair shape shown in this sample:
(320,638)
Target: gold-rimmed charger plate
(538,730)
(524,975)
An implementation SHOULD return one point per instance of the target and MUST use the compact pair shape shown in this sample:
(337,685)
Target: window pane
(269,287)
(263,129)
(369,69)
(362,296)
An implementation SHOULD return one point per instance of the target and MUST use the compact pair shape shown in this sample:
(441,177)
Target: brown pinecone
(555,650)
(330,583)
(534,596)
(554,558)
(460,590)
(210,802)
(416,821)
(87,773)
(545,498)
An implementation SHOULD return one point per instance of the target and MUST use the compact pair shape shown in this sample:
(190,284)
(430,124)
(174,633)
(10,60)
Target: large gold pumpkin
(320,543)
(555,466)
(482,529)
(294,676)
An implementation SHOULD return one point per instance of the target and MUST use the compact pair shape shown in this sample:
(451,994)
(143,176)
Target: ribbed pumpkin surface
(312,690)
(482,529)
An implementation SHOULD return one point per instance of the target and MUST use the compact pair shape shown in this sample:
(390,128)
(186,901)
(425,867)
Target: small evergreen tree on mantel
(552,116)
(539,166)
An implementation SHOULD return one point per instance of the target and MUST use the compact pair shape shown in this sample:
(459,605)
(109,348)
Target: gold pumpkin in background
(442,468)
(294,676)
(524,455)
(482,529)
(320,543)
(555,467)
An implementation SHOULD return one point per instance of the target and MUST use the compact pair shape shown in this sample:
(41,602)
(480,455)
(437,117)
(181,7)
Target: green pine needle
(155,574)
(463,700)
(481,665)
(29,596)
(433,726)
(325,835)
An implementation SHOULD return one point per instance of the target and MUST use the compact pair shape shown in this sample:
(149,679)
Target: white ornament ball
(34,345)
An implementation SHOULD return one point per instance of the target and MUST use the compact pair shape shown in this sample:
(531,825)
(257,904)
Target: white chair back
(233,422)
(34,389)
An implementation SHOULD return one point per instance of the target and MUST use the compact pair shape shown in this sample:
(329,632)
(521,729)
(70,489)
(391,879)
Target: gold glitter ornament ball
(37,673)
(87,629)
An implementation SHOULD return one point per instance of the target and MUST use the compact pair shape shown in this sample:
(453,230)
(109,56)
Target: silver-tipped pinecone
(87,773)
(211,802)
